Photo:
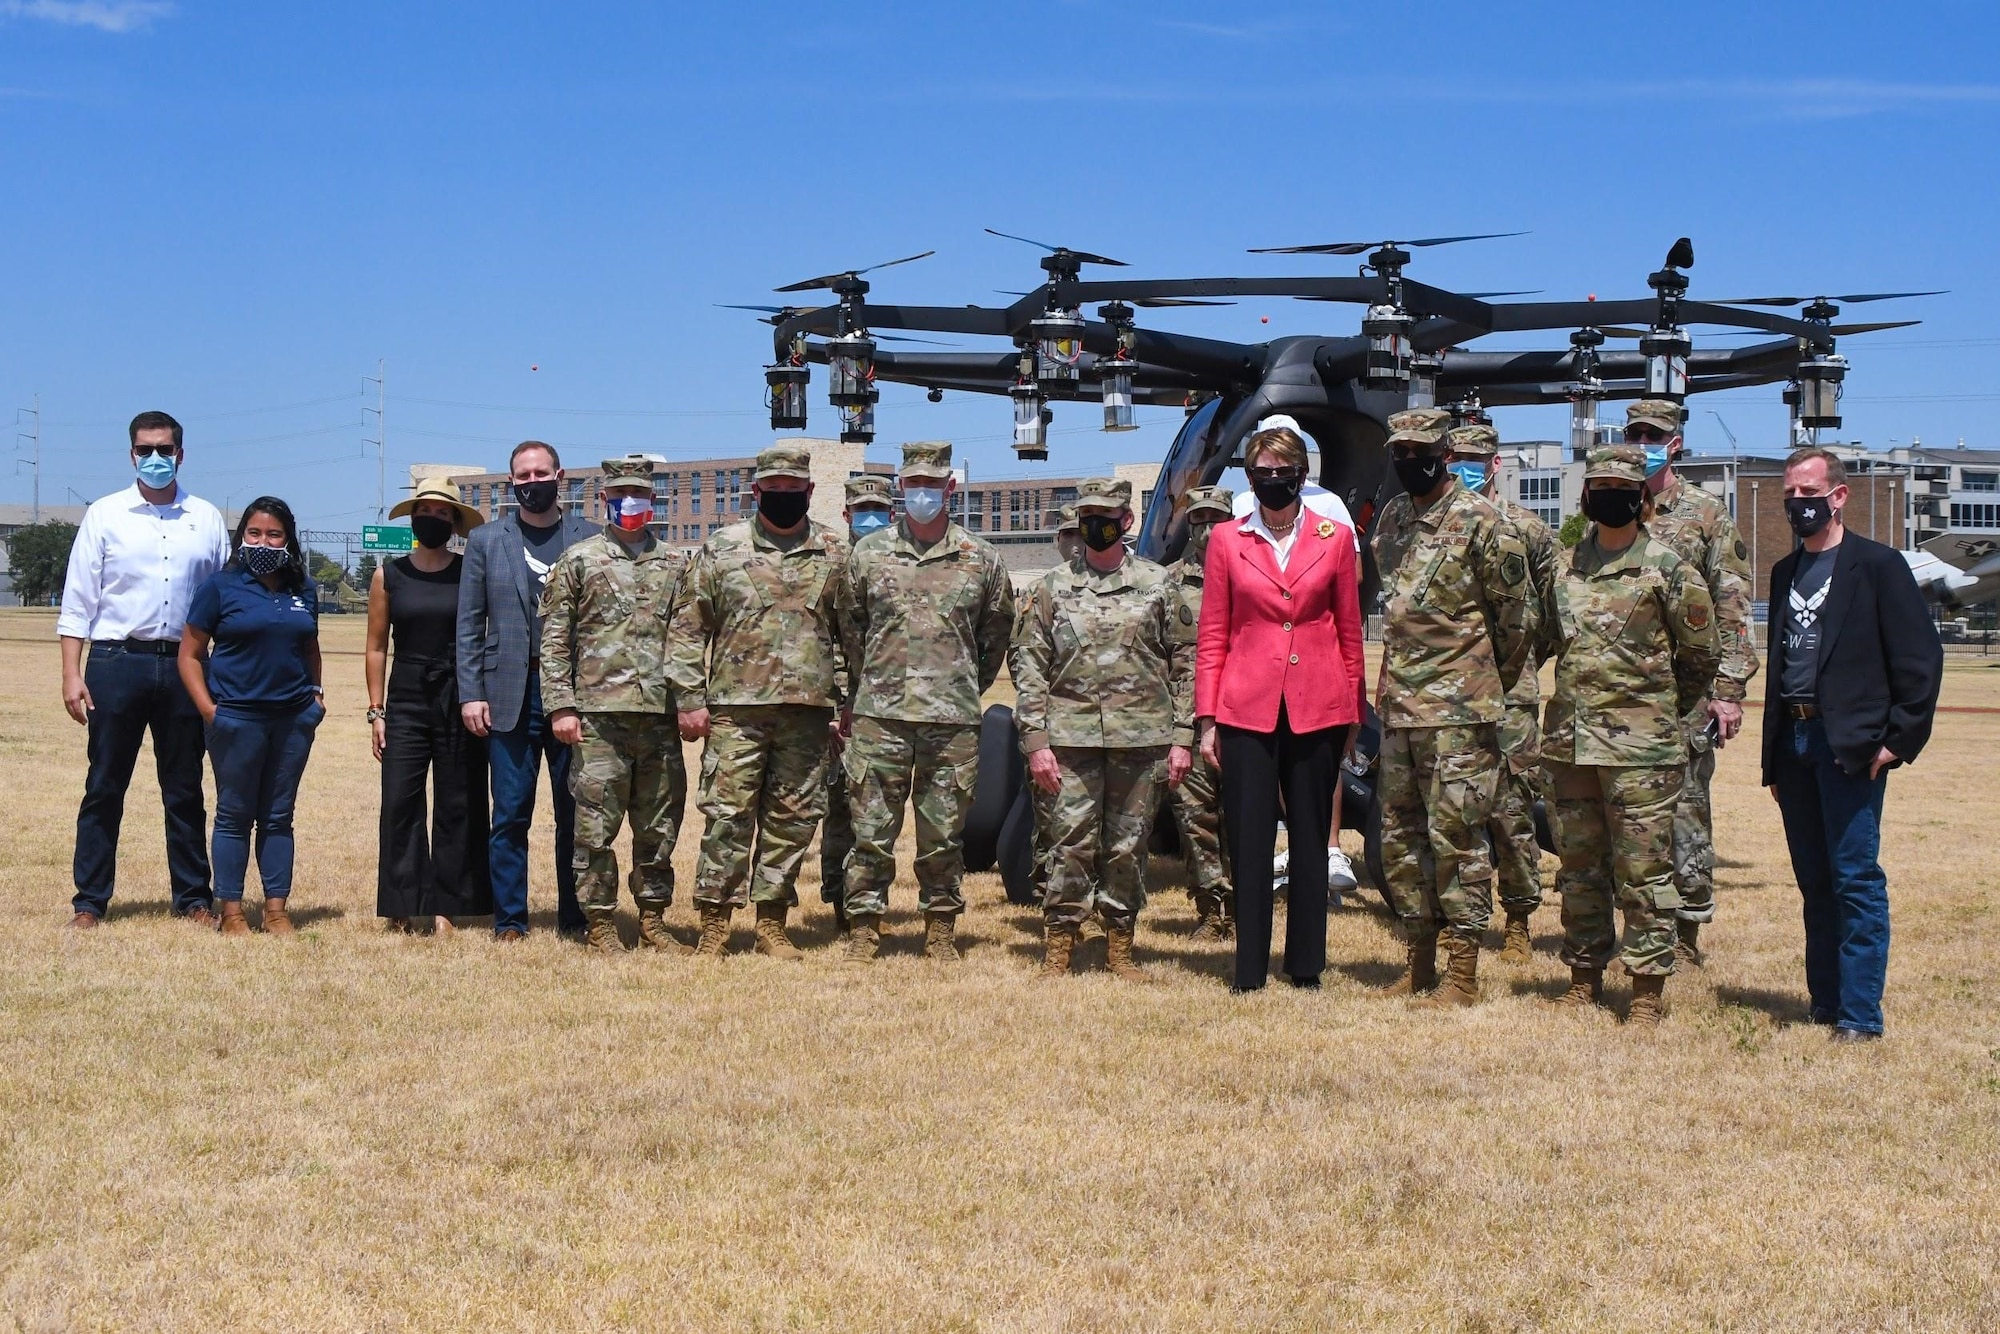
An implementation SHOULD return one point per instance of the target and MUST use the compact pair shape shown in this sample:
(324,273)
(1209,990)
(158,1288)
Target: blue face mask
(1472,474)
(1656,458)
(157,470)
(865,522)
(923,503)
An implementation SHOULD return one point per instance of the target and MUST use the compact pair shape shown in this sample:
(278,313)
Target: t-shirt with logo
(257,657)
(1805,613)
(542,547)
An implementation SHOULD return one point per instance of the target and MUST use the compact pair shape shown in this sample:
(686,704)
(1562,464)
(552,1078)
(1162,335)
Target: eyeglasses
(1408,451)
(1646,435)
(161,451)
(1275,474)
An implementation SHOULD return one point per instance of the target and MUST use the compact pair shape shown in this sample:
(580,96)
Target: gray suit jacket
(496,602)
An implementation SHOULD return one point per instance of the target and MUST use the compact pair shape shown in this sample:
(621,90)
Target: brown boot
(1649,1000)
(603,932)
(1460,987)
(938,935)
(864,938)
(1517,948)
(1118,954)
(714,942)
(653,933)
(771,937)
(234,923)
(277,922)
(1420,971)
(1687,949)
(1586,987)
(1056,946)
(1213,911)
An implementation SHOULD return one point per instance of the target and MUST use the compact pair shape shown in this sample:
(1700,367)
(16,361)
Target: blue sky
(231,211)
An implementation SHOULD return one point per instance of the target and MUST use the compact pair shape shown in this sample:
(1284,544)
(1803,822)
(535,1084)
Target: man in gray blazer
(499,647)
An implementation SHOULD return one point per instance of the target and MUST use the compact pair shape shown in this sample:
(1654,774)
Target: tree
(1572,529)
(324,569)
(39,556)
(364,570)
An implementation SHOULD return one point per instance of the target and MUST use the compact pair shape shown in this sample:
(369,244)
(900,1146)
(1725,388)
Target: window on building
(1975,516)
(1551,515)
(1543,487)
(1980,481)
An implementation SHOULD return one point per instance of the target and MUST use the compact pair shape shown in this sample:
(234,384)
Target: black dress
(444,874)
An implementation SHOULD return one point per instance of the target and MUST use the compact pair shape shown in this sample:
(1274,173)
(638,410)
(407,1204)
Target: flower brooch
(1325,528)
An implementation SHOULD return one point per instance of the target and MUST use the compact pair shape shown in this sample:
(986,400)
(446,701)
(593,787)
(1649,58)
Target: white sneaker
(1281,870)
(1339,870)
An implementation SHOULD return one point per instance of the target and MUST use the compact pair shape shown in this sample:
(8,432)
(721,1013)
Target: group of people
(836,677)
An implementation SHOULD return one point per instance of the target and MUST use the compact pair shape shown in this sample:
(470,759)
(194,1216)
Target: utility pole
(1734,462)
(34,439)
(380,379)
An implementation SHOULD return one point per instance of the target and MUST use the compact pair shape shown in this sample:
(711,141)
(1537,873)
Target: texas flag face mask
(631,513)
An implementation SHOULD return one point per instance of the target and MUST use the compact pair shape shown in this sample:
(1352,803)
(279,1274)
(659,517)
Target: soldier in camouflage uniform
(1096,666)
(1637,647)
(926,609)
(755,661)
(1197,801)
(1696,524)
(1517,857)
(870,505)
(605,614)
(1458,629)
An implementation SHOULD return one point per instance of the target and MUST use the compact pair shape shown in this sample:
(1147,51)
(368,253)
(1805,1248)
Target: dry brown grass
(354,1131)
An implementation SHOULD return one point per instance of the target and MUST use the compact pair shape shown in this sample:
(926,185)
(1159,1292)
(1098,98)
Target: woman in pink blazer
(1278,688)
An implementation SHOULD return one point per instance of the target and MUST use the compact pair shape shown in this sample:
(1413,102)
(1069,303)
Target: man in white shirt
(139,556)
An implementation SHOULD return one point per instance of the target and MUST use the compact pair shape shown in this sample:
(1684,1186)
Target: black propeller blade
(1363,247)
(830,279)
(1809,300)
(1080,256)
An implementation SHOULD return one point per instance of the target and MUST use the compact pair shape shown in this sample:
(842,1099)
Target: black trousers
(1256,768)
(440,871)
(135,689)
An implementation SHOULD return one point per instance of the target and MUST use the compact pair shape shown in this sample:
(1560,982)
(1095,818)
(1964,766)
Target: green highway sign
(379,537)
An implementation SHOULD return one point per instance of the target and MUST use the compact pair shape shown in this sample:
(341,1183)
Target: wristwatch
(377,715)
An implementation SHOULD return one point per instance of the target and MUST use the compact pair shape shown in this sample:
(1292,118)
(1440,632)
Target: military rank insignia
(1697,616)
(1513,569)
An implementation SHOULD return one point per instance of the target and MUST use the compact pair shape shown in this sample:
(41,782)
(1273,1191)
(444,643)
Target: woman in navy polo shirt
(254,626)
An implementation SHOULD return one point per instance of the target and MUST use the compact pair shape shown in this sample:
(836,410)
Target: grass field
(356,1131)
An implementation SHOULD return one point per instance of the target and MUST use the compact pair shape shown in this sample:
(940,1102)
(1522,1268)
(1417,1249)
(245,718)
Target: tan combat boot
(1460,987)
(1118,954)
(1649,1000)
(653,933)
(277,922)
(1517,947)
(864,938)
(771,937)
(1586,987)
(714,942)
(938,945)
(603,932)
(234,923)
(1420,971)
(1213,911)
(1056,946)
(1687,948)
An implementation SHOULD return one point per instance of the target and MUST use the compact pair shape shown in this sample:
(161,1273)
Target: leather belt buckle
(1802,710)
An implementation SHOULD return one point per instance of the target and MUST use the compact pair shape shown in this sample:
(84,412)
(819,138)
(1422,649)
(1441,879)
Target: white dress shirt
(135,565)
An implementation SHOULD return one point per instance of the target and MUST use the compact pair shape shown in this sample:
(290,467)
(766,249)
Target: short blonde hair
(1281,442)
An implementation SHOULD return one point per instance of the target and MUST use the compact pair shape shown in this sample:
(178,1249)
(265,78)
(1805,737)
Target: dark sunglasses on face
(1406,451)
(1645,436)
(1275,474)
(164,451)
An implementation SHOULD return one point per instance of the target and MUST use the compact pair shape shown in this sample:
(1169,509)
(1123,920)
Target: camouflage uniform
(756,642)
(1696,524)
(1197,802)
(925,631)
(1069,548)
(1637,644)
(836,839)
(1458,629)
(1096,667)
(605,613)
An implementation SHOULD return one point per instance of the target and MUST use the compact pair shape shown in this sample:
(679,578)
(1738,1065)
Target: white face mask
(923,503)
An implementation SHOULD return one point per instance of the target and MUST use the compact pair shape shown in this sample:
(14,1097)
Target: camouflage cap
(1069,523)
(1103,493)
(1419,426)
(1618,463)
(785,460)
(927,458)
(1663,413)
(1475,442)
(632,470)
(1210,502)
(870,488)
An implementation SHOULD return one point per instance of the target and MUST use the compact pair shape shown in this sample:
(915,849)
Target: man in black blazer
(499,645)
(1855,665)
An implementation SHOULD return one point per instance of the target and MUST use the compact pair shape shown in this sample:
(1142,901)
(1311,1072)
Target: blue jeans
(259,759)
(515,759)
(1833,824)
(134,691)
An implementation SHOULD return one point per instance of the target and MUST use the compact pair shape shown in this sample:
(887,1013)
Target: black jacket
(1880,662)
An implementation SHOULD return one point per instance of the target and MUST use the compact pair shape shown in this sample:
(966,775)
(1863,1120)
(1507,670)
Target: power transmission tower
(34,439)
(380,379)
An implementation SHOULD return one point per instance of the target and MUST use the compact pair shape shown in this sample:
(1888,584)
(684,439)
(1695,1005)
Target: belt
(1798,710)
(164,648)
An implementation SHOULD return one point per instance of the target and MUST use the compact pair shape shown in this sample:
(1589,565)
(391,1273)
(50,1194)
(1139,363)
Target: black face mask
(1419,473)
(1276,493)
(1100,531)
(430,530)
(1608,507)
(1808,514)
(783,509)
(535,497)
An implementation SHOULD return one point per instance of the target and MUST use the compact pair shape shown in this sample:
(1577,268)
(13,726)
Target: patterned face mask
(631,513)
(261,561)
